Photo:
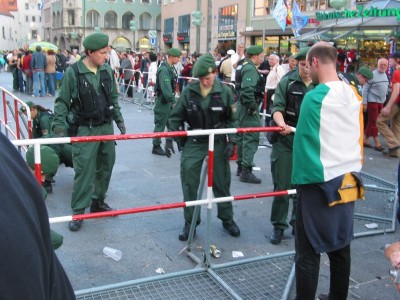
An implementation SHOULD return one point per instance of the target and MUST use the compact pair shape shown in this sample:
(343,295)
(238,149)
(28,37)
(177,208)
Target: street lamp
(133,27)
(196,20)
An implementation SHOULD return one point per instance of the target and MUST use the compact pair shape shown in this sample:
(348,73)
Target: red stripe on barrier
(258,129)
(38,173)
(104,138)
(260,195)
(114,213)
(210,168)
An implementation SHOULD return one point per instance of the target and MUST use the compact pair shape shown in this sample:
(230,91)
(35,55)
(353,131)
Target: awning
(311,36)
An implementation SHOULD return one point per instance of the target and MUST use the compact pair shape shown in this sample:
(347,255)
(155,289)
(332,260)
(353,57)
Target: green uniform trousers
(191,164)
(161,115)
(247,144)
(281,169)
(93,164)
(56,239)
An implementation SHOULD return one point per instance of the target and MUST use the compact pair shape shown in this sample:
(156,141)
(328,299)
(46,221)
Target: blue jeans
(50,81)
(38,83)
(20,80)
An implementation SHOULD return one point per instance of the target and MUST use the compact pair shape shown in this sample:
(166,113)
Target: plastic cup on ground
(115,254)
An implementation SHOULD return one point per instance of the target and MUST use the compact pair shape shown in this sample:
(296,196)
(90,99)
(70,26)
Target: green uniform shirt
(178,114)
(166,78)
(250,79)
(69,92)
(41,125)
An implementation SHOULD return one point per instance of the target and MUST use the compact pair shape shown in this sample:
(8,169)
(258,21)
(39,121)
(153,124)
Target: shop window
(92,19)
(169,25)
(126,18)
(184,23)
(71,17)
(110,20)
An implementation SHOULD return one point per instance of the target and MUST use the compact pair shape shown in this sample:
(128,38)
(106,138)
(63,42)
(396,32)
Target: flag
(298,19)
(289,14)
(280,13)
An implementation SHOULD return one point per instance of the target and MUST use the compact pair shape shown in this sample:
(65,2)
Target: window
(126,18)
(169,25)
(34,34)
(71,17)
(146,2)
(26,19)
(27,6)
(158,2)
(110,20)
(33,19)
(4,32)
(39,6)
(260,5)
(129,1)
(145,21)
(158,22)
(165,2)
(184,23)
(92,19)
(312,5)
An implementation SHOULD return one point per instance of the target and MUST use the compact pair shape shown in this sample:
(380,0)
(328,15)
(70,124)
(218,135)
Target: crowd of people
(304,92)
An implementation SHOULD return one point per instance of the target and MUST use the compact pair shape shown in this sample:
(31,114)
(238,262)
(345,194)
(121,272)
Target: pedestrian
(251,94)
(89,94)
(327,159)
(285,112)
(274,76)
(205,104)
(38,65)
(30,268)
(50,73)
(165,95)
(374,93)
(391,112)
(26,69)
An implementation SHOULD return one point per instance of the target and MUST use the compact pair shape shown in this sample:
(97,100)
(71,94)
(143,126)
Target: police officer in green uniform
(205,104)
(165,95)
(285,113)
(251,89)
(49,166)
(42,119)
(89,98)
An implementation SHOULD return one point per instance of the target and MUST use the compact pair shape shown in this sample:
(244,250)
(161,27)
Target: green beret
(95,41)
(366,72)
(49,160)
(288,54)
(29,103)
(301,55)
(174,52)
(204,66)
(254,50)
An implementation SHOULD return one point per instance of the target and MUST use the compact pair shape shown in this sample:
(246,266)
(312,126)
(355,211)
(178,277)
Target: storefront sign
(226,35)
(360,12)
(183,37)
(168,38)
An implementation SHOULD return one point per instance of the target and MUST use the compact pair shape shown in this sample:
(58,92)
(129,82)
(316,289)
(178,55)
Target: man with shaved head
(327,175)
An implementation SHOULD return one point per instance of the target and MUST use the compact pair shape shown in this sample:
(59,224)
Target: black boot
(47,186)
(247,176)
(75,225)
(157,150)
(276,236)
(239,170)
(98,206)
(232,228)
(184,234)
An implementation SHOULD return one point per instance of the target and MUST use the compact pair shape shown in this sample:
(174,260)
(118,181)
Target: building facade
(68,22)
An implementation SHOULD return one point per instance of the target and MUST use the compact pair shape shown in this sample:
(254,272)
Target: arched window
(53,21)
(158,22)
(92,19)
(59,24)
(145,21)
(126,18)
(110,20)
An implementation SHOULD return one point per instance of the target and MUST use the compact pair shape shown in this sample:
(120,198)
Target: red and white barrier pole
(143,209)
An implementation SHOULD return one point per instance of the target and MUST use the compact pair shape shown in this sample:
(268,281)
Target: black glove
(59,132)
(229,150)
(252,108)
(169,148)
(121,127)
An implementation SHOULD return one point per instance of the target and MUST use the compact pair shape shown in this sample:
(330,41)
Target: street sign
(153,41)
(152,34)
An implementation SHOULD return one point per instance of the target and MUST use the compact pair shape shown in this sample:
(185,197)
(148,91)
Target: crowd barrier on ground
(270,276)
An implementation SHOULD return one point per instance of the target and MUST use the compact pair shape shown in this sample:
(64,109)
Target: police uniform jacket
(69,92)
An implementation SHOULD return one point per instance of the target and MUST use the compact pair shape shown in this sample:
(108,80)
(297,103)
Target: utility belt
(89,123)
